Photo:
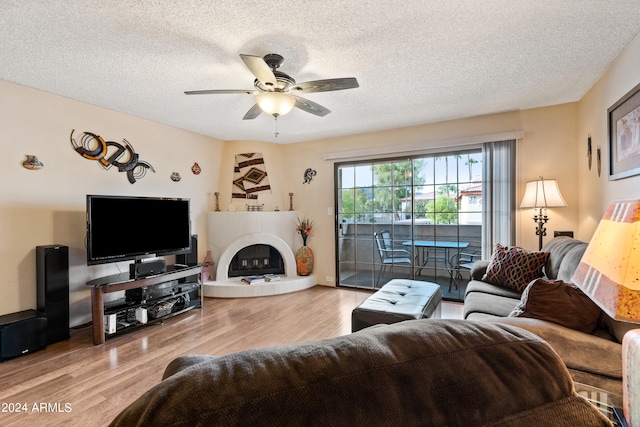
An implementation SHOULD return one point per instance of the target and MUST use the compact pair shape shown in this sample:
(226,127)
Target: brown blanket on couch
(414,373)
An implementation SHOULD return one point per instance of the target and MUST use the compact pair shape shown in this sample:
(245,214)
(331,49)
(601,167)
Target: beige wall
(595,192)
(47,206)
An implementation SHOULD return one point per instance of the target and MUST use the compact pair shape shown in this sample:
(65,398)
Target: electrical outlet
(329,278)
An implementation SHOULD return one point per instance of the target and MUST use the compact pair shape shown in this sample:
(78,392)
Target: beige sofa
(594,359)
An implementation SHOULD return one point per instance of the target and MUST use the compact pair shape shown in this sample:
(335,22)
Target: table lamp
(609,273)
(542,194)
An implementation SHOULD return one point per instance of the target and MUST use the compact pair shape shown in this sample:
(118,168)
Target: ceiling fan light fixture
(275,103)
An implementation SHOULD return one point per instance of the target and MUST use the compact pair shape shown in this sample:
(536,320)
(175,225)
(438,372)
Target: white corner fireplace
(229,233)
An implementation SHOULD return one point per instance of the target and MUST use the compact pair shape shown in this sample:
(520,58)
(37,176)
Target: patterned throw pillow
(514,267)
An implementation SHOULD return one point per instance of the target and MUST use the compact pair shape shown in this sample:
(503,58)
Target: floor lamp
(608,273)
(542,194)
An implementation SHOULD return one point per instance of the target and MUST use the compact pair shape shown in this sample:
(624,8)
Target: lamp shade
(542,193)
(275,103)
(609,271)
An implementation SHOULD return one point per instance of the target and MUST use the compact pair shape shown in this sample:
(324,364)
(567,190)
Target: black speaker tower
(52,264)
(190,258)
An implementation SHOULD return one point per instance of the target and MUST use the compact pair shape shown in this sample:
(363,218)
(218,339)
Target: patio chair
(462,261)
(389,255)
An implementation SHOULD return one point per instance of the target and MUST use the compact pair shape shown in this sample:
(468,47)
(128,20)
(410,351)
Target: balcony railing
(437,253)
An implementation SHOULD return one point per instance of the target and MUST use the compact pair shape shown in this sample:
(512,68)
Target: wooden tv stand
(123,282)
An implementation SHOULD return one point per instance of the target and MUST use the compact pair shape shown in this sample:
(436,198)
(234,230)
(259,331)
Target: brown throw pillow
(558,302)
(514,267)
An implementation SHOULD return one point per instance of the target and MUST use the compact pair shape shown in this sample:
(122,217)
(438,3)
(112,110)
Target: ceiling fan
(276,92)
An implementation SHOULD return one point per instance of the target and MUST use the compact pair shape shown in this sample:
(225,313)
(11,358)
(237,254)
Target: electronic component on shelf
(152,293)
(141,315)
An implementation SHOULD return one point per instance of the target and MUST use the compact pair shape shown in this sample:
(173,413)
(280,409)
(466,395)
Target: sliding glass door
(416,218)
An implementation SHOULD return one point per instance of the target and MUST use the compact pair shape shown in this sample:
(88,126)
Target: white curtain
(499,193)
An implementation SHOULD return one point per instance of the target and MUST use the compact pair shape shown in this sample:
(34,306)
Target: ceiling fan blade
(327,85)
(252,113)
(311,107)
(260,69)
(215,91)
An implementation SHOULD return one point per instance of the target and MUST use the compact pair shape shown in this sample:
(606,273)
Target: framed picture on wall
(624,136)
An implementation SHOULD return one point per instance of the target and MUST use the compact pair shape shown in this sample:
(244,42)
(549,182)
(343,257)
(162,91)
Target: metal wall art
(110,153)
(308,175)
(32,163)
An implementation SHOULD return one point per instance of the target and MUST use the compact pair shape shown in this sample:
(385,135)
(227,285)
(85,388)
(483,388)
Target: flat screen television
(123,228)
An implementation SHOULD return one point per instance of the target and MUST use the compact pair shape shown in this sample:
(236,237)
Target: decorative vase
(304,261)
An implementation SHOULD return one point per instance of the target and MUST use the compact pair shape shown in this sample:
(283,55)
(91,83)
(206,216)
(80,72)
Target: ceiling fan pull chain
(276,132)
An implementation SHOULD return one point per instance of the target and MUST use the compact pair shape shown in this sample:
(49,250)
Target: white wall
(47,206)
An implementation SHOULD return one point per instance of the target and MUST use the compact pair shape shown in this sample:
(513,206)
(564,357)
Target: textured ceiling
(416,61)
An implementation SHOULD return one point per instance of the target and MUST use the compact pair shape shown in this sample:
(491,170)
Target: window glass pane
(402,201)
(382,199)
(423,171)
(346,177)
(363,176)
(346,202)
(382,174)
(402,173)
(363,200)
(472,164)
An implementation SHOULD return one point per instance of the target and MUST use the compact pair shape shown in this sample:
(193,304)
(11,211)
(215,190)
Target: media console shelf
(180,289)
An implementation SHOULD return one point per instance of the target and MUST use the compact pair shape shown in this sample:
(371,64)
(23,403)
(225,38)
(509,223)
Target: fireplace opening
(255,260)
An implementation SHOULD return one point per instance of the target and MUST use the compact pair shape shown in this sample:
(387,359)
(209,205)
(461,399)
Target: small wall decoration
(598,159)
(624,136)
(196,169)
(589,151)
(217,195)
(290,201)
(32,163)
(308,175)
(175,177)
(110,153)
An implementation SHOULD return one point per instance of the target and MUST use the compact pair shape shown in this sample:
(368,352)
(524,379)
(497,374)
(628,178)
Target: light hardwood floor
(80,384)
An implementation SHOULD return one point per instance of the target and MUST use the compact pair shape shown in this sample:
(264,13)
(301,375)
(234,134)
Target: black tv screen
(123,228)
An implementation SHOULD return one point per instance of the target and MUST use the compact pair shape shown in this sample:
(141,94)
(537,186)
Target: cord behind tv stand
(188,281)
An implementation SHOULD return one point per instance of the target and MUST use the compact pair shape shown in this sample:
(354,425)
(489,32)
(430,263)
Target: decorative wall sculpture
(308,175)
(32,163)
(196,169)
(110,153)
(249,176)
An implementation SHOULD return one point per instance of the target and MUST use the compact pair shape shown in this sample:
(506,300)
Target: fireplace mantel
(229,232)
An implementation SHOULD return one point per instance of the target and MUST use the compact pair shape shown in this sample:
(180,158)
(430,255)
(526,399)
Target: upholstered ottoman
(398,300)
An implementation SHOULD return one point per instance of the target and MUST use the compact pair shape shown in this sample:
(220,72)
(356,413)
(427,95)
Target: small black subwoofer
(22,333)
(52,264)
